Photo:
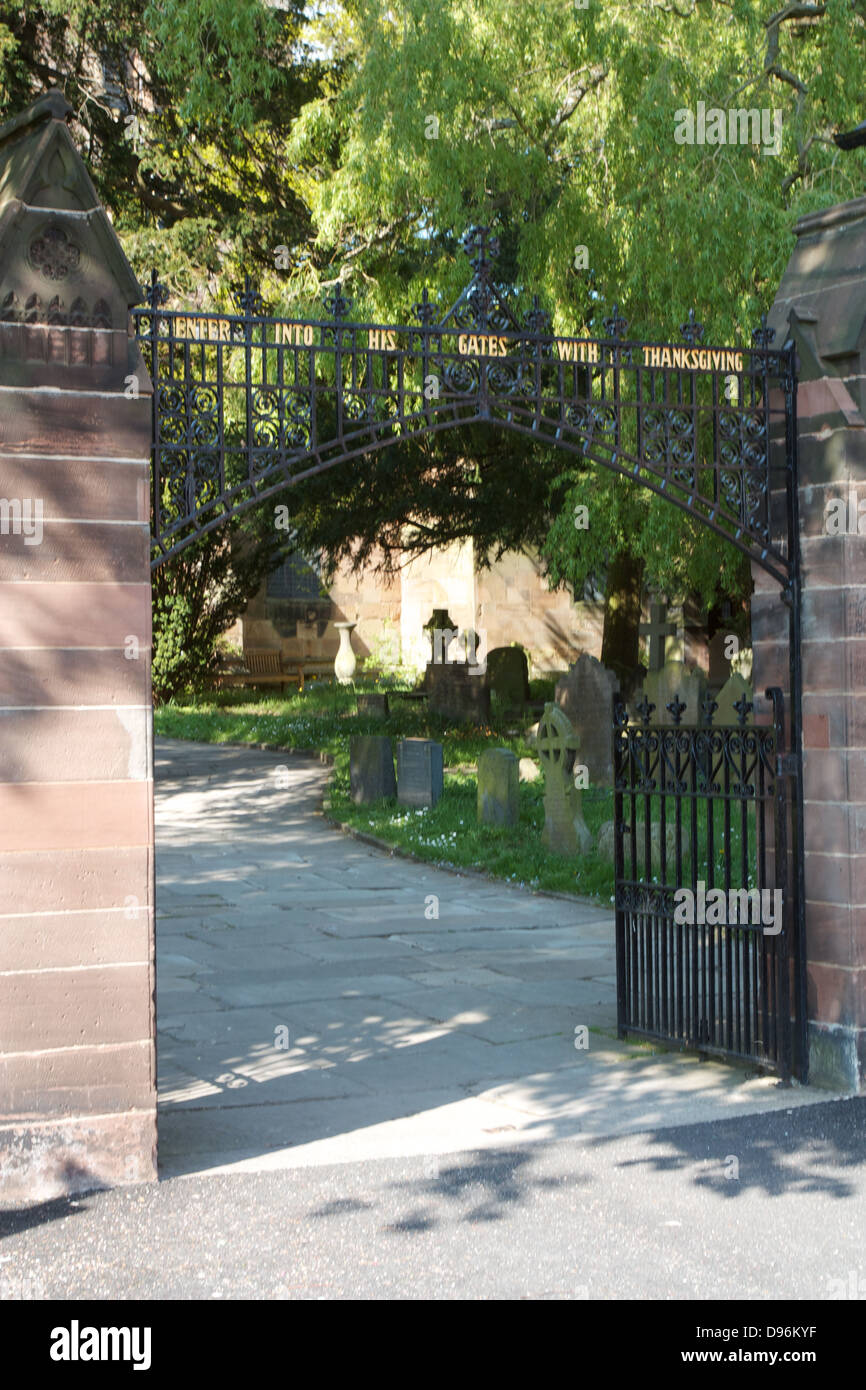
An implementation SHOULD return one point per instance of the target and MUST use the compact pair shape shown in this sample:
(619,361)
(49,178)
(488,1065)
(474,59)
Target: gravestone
(375,706)
(565,830)
(508,675)
(419,772)
(719,663)
(606,846)
(736,688)
(658,630)
(498,789)
(371,768)
(441,622)
(456,694)
(584,694)
(676,680)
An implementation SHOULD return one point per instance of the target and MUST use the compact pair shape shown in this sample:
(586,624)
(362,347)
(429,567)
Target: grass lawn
(324,718)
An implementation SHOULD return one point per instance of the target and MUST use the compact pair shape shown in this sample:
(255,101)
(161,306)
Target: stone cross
(565,830)
(657,629)
(442,630)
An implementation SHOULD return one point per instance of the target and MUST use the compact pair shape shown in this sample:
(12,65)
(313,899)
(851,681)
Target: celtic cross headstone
(565,830)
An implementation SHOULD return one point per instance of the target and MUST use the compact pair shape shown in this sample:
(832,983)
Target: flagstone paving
(311,1011)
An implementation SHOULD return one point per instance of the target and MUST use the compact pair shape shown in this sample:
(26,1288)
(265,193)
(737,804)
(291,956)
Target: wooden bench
(263,666)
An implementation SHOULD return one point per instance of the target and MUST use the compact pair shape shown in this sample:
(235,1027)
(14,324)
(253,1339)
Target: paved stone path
(407,1035)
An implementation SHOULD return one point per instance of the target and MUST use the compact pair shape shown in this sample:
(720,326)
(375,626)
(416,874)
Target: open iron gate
(707,908)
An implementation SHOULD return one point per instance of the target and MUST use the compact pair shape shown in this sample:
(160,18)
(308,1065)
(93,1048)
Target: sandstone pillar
(821,303)
(77,1074)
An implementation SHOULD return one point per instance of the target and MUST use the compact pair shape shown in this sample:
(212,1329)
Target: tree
(200,592)
(626,545)
(182,109)
(560,125)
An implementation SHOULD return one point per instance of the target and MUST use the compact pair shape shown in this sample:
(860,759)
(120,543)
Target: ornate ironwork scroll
(246,404)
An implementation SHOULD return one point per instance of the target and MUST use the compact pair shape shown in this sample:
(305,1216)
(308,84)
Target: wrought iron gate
(247,405)
(707,893)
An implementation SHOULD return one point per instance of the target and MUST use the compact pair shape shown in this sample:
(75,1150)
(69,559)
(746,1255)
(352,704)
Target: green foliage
(386,659)
(201,592)
(236,46)
(183,110)
(557,125)
(623,517)
(542,688)
(423,492)
(181,654)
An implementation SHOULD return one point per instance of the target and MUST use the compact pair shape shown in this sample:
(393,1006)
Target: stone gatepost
(76,783)
(821,303)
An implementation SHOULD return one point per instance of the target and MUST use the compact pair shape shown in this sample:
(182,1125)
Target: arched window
(295,578)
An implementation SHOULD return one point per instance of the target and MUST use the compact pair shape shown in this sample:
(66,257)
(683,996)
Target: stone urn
(344,661)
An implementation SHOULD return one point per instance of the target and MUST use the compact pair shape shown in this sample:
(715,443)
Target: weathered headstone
(719,662)
(419,772)
(508,675)
(736,688)
(584,695)
(373,705)
(498,789)
(565,830)
(676,680)
(456,694)
(606,845)
(371,768)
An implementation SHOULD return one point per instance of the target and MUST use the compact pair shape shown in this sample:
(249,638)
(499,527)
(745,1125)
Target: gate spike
(155,293)
(676,707)
(538,320)
(692,332)
(743,708)
(708,708)
(616,325)
(424,310)
(763,337)
(336,303)
(248,300)
(482,248)
(645,709)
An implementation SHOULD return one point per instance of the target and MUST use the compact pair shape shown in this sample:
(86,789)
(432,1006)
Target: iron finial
(691,330)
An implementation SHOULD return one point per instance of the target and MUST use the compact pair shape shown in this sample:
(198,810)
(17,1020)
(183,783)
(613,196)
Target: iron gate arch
(247,404)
